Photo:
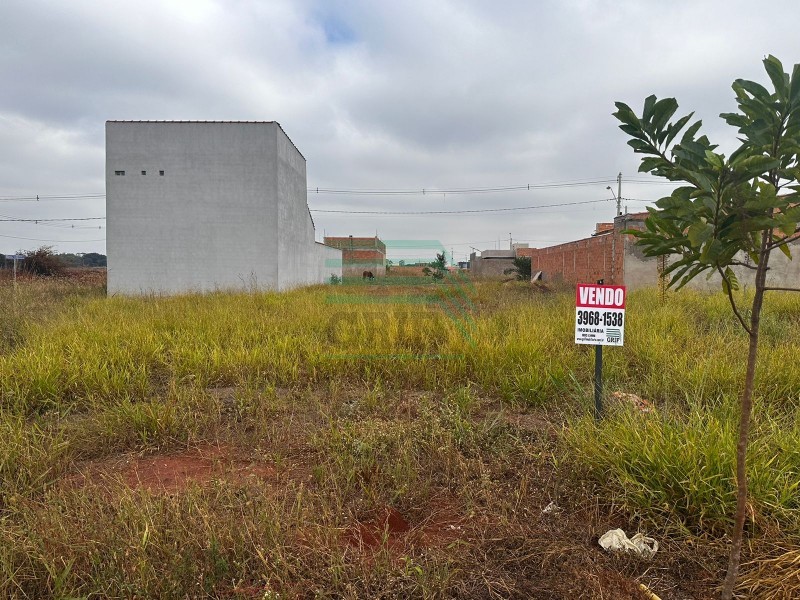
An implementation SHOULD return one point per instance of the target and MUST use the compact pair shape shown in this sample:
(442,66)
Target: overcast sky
(377,96)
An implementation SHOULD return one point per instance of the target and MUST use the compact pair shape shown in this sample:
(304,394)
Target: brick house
(360,254)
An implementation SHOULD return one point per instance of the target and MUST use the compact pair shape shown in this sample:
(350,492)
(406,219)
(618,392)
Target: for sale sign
(600,314)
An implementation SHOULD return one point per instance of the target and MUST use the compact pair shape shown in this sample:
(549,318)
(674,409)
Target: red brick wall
(355,262)
(356,256)
(581,261)
(589,259)
(345,243)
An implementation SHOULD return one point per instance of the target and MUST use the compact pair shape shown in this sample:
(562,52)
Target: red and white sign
(600,314)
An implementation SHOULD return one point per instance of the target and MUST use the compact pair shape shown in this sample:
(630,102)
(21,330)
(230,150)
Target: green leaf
(787,226)
(626,115)
(779,79)
(649,104)
(662,111)
(709,203)
(711,252)
(749,167)
(634,131)
(756,90)
(641,147)
(794,87)
(704,182)
(732,280)
(699,233)
(676,127)
(650,164)
(692,131)
(786,250)
(713,159)
(735,119)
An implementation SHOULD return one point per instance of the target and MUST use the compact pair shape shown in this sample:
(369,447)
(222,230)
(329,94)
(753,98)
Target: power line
(38,198)
(368,192)
(15,220)
(14,237)
(454,191)
(57,225)
(650,181)
(382,192)
(453,212)
(494,240)
(65,226)
(423,191)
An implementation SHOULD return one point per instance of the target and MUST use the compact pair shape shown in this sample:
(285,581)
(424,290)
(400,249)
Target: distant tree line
(44,261)
(90,259)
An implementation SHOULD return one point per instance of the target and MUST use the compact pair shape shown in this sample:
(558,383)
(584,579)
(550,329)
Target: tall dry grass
(379,393)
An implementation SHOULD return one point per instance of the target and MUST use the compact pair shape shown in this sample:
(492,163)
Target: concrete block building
(491,263)
(198,206)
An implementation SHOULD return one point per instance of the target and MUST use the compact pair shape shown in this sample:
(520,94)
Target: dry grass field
(383,441)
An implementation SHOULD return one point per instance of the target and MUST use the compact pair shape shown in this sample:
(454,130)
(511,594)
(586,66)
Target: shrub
(44,262)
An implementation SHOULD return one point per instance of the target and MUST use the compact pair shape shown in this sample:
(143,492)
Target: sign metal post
(598,382)
(599,321)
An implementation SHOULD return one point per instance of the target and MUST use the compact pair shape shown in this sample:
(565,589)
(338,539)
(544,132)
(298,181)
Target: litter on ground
(615,540)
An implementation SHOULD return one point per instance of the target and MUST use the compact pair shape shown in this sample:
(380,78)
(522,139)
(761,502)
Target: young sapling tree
(730,213)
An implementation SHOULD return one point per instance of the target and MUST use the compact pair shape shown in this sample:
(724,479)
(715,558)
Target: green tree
(521,269)
(93,259)
(436,269)
(69,259)
(731,208)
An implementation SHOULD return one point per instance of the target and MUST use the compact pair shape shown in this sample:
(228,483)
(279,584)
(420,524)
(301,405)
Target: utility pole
(16,257)
(619,194)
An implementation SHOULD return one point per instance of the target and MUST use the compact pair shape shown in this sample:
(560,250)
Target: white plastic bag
(616,540)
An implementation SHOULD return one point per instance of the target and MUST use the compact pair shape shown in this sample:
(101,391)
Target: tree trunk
(744,429)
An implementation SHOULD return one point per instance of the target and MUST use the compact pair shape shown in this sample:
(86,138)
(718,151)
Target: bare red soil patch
(177,470)
(396,531)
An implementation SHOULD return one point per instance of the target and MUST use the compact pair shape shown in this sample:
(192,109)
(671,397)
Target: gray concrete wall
(491,263)
(641,271)
(329,262)
(782,273)
(296,252)
(229,212)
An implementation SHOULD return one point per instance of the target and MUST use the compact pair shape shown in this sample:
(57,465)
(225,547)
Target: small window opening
(161,173)
(144,172)
(119,172)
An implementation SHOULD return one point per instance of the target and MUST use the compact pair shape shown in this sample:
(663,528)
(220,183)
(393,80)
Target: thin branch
(739,263)
(787,240)
(781,289)
(729,293)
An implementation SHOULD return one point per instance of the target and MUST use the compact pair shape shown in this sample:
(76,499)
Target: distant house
(360,254)
(199,206)
(491,263)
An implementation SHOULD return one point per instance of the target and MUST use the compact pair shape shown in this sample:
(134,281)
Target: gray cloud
(375,95)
